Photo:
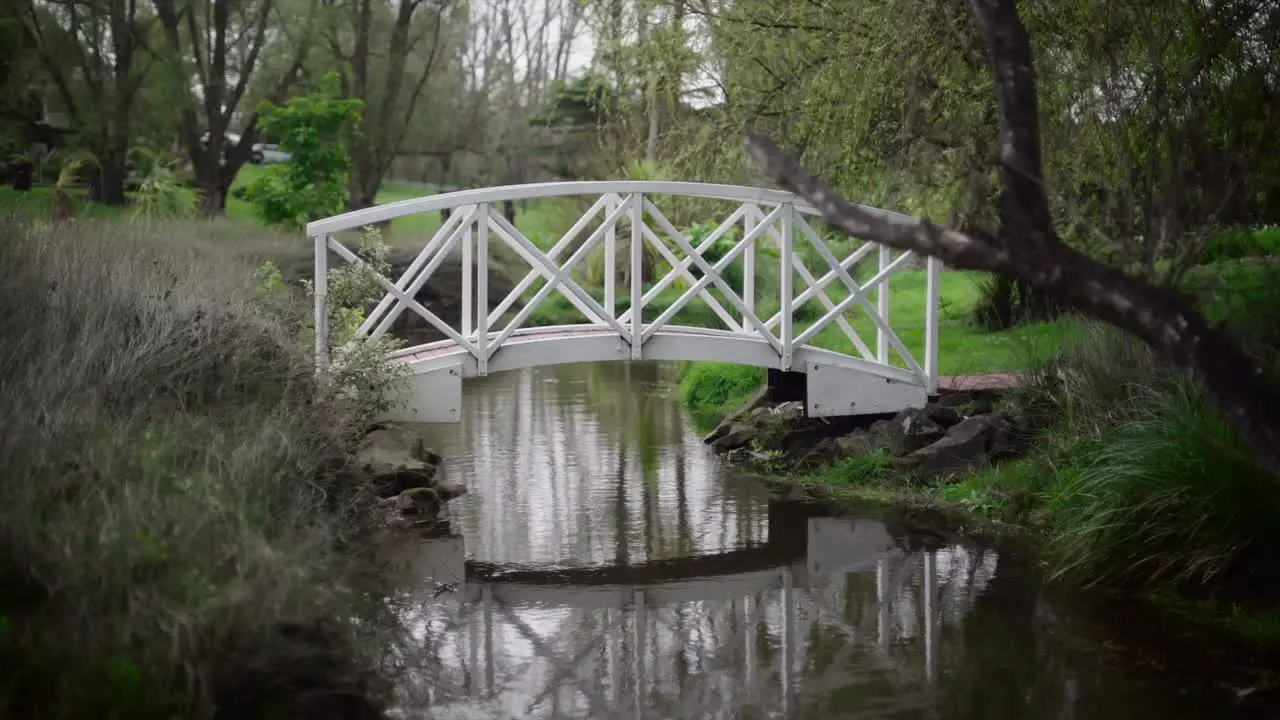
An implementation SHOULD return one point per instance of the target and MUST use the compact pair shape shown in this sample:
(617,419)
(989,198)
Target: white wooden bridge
(775,229)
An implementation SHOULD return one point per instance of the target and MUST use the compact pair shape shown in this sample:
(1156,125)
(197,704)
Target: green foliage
(584,100)
(1239,243)
(1150,485)
(710,390)
(1011,491)
(365,379)
(161,197)
(859,470)
(315,130)
(733,273)
(1005,302)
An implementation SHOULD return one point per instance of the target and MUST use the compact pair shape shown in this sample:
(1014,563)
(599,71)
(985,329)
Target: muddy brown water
(605,564)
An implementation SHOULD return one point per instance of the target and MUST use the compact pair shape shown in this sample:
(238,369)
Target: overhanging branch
(1029,248)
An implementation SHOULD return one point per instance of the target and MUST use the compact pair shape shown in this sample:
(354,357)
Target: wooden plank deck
(988,382)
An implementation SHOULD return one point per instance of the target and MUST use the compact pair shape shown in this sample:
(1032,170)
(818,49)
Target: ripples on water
(644,581)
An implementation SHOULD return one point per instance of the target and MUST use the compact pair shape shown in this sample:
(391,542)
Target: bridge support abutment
(786,386)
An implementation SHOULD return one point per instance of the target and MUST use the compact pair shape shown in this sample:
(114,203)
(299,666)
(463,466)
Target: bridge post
(882,307)
(320,288)
(468,265)
(613,619)
(482,290)
(640,618)
(788,638)
(637,275)
(486,596)
(748,267)
(610,257)
(930,615)
(882,604)
(788,224)
(786,385)
(933,287)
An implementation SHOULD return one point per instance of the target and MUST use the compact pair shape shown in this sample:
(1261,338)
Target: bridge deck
(531,347)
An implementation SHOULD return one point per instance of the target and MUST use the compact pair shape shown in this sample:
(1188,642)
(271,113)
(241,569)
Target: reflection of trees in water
(640,400)
(596,458)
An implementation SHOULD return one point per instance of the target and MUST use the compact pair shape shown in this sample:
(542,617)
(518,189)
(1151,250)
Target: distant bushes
(1239,243)
(176,490)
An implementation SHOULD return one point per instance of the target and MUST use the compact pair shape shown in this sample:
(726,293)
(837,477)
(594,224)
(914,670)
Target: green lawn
(539,220)
(963,347)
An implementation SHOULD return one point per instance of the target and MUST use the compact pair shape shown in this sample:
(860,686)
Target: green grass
(179,518)
(1170,495)
(541,221)
(711,390)
(38,203)
(964,348)
(859,471)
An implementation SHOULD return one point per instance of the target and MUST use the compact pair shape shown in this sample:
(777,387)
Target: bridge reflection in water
(829,606)
(647,581)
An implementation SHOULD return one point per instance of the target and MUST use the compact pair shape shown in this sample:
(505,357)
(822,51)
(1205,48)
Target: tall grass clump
(1170,495)
(1154,487)
(177,507)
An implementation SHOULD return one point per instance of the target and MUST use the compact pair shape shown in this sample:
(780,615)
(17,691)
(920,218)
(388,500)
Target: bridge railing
(766,218)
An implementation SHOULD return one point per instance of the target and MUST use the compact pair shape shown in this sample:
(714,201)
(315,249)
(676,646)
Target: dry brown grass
(176,494)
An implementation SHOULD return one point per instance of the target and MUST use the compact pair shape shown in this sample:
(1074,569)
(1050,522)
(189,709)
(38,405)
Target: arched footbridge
(633,279)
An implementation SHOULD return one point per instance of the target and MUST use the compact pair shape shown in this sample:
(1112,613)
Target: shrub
(162,197)
(1238,243)
(176,492)
(1004,302)
(360,371)
(313,129)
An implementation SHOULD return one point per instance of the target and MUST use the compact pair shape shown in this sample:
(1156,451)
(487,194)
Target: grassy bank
(1137,483)
(177,493)
(709,390)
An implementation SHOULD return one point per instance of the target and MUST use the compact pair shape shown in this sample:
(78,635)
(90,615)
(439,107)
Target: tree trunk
(112,172)
(213,201)
(1028,248)
(364,182)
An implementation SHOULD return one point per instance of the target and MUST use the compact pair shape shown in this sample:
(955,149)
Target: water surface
(605,564)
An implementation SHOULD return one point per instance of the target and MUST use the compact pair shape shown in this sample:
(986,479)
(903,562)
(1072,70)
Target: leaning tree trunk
(1027,247)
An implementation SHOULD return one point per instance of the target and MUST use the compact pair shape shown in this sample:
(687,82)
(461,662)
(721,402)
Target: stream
(605,564)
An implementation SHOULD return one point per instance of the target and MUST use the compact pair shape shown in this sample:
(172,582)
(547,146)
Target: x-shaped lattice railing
(766,219)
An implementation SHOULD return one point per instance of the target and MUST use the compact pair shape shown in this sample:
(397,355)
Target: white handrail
(531,191)
(477,223)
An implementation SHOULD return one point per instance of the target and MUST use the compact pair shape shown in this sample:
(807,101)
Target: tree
(388,53)
(1026,245)
(222,46)
(15,42)
(88,51)
(315,130)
